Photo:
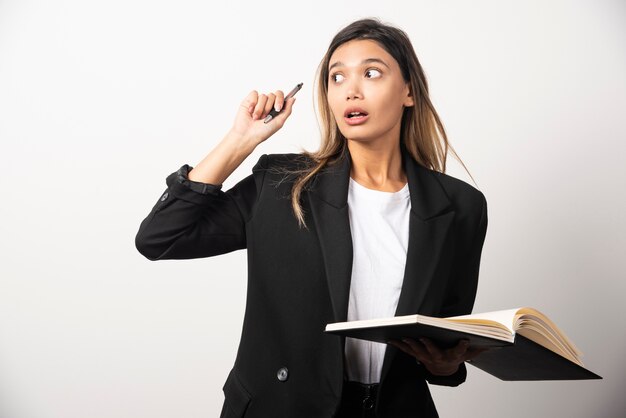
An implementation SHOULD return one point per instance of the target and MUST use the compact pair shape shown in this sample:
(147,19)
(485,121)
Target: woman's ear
(408,101)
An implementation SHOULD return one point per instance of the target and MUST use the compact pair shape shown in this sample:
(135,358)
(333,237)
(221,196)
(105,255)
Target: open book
(523,343)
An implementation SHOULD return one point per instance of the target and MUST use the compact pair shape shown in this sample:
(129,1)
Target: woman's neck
(377,166)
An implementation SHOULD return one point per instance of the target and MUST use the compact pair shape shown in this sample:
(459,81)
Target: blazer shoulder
(462,194)
(289,161)
(282,166)
(279,171)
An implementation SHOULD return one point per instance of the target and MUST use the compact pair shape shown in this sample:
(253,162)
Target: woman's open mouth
(355,118)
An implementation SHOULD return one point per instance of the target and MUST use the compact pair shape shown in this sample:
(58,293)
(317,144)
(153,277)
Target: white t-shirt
(379,223)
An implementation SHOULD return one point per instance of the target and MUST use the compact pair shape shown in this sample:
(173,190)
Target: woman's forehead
(358,52)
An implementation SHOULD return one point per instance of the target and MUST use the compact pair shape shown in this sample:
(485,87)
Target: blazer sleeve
(193,220)
(461,290)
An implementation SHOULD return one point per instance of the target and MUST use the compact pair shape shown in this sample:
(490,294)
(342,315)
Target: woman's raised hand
(247,132)
(253,110)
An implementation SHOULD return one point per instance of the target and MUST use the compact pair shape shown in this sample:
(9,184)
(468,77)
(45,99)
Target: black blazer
(299,279)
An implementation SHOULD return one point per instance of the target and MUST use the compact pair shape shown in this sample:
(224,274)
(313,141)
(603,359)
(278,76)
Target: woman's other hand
(253,110)
(440,362)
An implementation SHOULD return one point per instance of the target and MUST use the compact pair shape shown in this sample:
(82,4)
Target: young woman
(368,226)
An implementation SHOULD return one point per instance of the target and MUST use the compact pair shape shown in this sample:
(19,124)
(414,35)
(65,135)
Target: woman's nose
(353,89)
(353,93)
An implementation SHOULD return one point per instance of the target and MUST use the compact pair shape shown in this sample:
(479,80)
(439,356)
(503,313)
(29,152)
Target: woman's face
(363,75)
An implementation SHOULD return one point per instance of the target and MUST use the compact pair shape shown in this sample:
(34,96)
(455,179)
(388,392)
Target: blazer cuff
(192,191)
(454,379)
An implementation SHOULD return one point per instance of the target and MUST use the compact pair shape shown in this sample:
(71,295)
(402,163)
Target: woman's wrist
(241,145)
(219,164)
(441,370)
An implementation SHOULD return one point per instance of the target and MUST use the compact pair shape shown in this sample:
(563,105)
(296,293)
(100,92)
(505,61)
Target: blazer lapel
(429,227)
(429,232)
(429,243)
(328,198)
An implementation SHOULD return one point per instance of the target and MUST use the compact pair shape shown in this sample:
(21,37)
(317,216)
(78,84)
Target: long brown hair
(421,129)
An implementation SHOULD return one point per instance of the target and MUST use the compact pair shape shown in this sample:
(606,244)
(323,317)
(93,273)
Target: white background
(101,100)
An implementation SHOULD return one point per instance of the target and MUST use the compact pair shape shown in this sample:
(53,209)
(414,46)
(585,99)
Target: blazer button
(283,374)
(165,195)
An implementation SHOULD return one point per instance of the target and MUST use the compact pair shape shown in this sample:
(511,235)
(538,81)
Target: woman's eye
(372,69)
(368,71)
(332,77)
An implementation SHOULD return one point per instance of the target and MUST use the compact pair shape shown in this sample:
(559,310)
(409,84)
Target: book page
(536,326)
(506,318)
(484,328)
(501,325)
(374,322)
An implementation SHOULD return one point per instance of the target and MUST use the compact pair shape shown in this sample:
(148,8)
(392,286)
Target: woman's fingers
(460,349)
(250,101)
(280,100)
(408,349)
(436,360)
(435,354)
(288,106)
(412,348)
(260,105)
(269,104)
(428,352)
(259,109)
(401,346)
(254,108)
(473,352)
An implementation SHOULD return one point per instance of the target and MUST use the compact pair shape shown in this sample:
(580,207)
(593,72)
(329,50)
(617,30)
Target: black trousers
(358,400)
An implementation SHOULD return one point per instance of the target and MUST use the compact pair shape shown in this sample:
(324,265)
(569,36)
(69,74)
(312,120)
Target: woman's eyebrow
(365,61)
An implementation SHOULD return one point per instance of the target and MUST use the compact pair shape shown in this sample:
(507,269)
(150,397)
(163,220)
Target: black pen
(274,112)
